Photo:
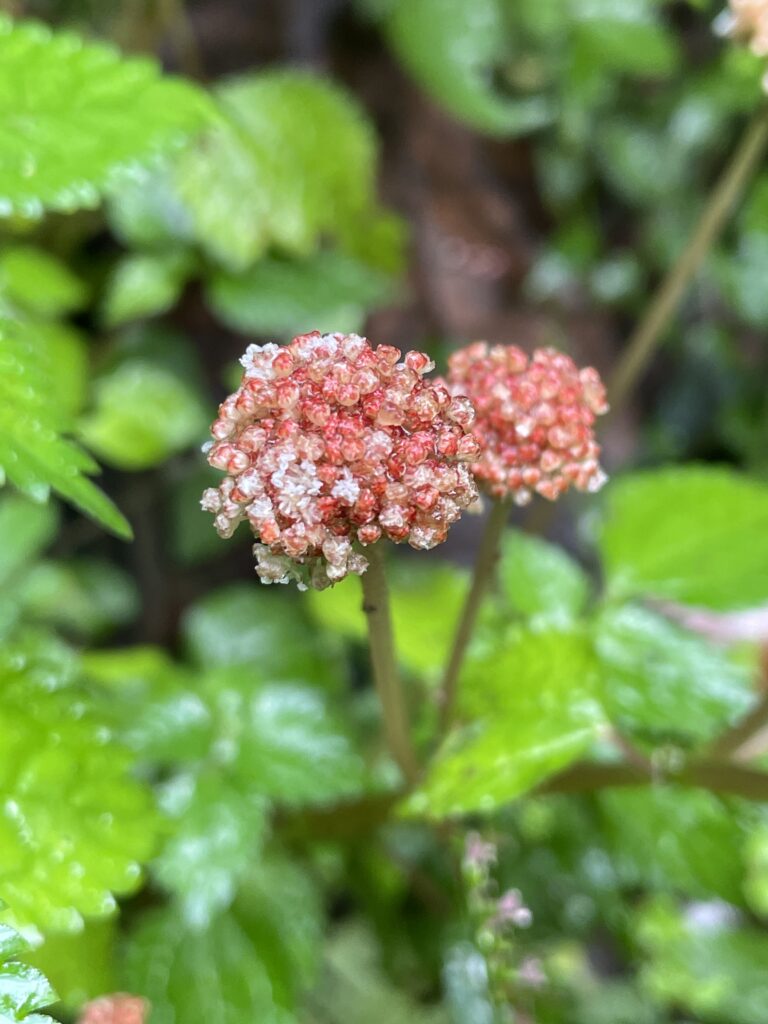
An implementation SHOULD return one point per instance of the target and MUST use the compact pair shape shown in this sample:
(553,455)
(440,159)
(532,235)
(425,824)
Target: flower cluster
(329,441)
(117,1009)
(534,422)
(747,20)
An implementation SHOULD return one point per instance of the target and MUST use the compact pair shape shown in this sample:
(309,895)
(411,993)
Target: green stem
(483,575)
(722,200)
(385,671)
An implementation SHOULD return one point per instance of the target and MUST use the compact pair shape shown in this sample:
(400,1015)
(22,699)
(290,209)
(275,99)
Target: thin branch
(482,578)
(714,217)
(385,671)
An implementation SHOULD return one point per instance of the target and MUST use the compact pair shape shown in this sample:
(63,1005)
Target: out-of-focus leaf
(529,710)
(143,285)
(23,989)
(64,350)
(662,680)
(76,113)
(26,528)
(699,960)
(669,838)
(283,739)
(146,211)
(465,976)
(34,454)
(143,414)
(626,37)
(241,625)
(426,603)
(293,160)
(693,534)
(328,292)
(74,827)
(540,581)
(453,48)
(199,976)
(80,966)
(36,282)
(218,831)
(86,596)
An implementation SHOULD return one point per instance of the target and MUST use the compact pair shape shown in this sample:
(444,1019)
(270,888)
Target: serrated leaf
(539,580)
(144,285)
(328,291)
(664,682)
(293,159)
(675,839)
(199,976)
(27,528)
(426,603)
(218,830)
(74,827)
(694,534)
(452,48)
(34,454)
(143,413)
(75,114)
(23,989)
(284,739)
(529,710)
(38,283)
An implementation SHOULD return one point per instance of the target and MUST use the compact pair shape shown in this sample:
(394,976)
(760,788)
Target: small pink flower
(117,1009)
(534,420)
(747,20)
(328,443)
(511,910)
(479,854)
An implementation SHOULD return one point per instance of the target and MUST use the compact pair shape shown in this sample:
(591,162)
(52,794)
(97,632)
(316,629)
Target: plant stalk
(384,663)
(721,202)
(482,578)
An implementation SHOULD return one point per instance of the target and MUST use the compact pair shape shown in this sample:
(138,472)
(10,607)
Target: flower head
(117,1009)
(329,441)
(534,422)
(747,20)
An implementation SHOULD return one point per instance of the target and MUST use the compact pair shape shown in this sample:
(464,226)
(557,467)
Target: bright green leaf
(33,453)
(76,113)
(144,285)
(36,282)
(328,292)
(143,413)
(80,966)
(86,596)
(23,989)
(27,528)
(529,710)
(539,580)
(453,48)
(694,534)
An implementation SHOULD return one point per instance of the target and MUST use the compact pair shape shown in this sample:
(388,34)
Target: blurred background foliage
(196,804)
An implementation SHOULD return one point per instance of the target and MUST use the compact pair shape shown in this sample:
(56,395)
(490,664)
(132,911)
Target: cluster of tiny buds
(329,443)
(116,1009)
(534,420)
(747,20)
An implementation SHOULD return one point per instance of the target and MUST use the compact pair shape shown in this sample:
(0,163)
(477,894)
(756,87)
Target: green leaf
(663,681)
(80,966)
(64,349)
(530,710)
(144,285)
(33,453)
(675,839)
(26,529)
(74,827)
(712,969)
(37,282)
(147,212)
(426,603)
(199,976)
(143,413)
(75,114)
(219,829)
(453,48)
(242,625)
(292,161)
(628,38)
(540,581)
(693,534)
(283,739)
(327,292)
(23,989)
